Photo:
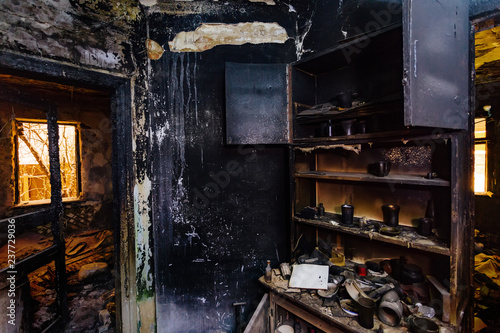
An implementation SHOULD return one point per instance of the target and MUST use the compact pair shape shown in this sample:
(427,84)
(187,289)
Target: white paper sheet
(308,276)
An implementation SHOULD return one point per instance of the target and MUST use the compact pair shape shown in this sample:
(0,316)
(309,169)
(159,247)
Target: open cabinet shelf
(318,113)
(391,119)
(412,114)
(408,237)
(366,177)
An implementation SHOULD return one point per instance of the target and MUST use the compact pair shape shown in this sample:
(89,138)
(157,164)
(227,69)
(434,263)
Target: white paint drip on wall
(209,35)
(299,40)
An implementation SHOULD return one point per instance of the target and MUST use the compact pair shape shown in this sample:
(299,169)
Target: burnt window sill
(484,194)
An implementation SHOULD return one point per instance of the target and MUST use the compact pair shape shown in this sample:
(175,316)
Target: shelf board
(389,136)
(366,177)
(323,112)
(408,237)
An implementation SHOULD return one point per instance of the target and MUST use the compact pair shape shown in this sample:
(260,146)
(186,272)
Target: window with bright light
(480,157)
(33,163)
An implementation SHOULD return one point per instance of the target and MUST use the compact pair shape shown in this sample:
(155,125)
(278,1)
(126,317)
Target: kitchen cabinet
(336,172)
(398,94)
(409,106)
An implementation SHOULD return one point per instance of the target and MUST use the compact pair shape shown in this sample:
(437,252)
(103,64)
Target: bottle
(321,209)
(269,272)
(329,128)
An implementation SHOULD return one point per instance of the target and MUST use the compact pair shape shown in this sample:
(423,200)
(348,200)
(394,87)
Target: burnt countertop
(334,315)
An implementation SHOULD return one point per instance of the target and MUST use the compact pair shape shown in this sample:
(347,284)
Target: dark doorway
(95,179)
(487,168)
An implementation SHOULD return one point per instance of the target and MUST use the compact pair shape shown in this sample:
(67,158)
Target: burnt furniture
(308,311)
(397,111)
(398,94)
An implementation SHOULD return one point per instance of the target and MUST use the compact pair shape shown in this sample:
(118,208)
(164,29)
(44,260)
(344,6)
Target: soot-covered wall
(216,212)
(219,211)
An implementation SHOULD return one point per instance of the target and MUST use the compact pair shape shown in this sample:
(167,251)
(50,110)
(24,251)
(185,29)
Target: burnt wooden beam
(57,206)
(23,65)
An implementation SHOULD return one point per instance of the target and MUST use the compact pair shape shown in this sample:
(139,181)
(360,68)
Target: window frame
(16,167)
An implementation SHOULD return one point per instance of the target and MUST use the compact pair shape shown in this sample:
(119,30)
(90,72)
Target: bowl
(390,231)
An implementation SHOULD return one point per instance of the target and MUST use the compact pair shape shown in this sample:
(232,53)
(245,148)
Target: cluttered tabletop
(356,297)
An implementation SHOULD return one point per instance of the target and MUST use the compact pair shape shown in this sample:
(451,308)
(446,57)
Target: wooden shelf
(366,177)
(326,111)
(408,237)
(417,134)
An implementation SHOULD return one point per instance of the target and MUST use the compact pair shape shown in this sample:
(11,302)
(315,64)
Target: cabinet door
(436,63)
(257,104)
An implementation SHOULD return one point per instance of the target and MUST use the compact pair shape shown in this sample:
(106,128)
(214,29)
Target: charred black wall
(219,211)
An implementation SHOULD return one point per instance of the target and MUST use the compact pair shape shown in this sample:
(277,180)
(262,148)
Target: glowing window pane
(480,168)
(480,128)
(34,163)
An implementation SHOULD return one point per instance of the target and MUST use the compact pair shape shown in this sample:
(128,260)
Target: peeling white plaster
(209,35)
(155,50)
(142,221)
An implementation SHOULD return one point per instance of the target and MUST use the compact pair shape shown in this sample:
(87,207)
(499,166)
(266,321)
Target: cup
(362,269)
(348,126)
(347,214)
(391,215)
(366,310)
(424,227)
(380,168)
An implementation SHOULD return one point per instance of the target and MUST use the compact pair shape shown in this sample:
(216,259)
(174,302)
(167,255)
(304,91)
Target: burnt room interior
(85,129)
(178,166)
